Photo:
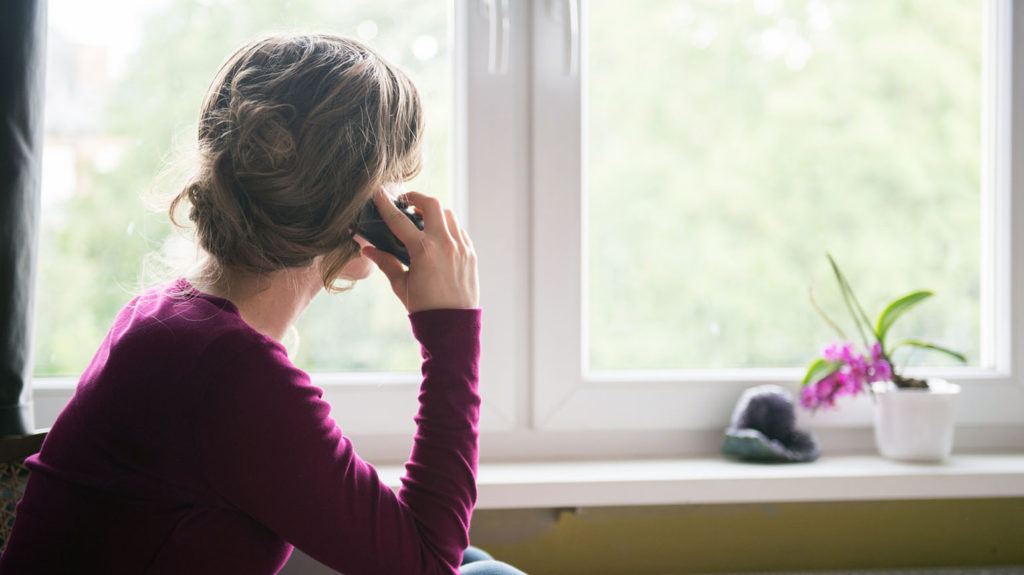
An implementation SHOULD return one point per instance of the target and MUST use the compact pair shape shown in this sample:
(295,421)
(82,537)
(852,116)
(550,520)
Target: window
(124,90)
(651,187)
(729,145)
(714,151)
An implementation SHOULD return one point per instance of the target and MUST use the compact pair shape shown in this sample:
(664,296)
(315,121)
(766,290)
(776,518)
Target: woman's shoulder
(176,310)
(176,320)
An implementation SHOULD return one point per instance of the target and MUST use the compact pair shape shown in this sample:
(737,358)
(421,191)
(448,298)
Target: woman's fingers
(398,222)
(466,239)
(459,233)
(442,273)
(454,229)
(434,221)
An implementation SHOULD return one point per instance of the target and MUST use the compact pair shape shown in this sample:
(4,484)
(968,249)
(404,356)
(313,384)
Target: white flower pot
(915,424)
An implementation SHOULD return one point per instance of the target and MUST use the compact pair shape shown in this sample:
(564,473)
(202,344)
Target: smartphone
(372,227)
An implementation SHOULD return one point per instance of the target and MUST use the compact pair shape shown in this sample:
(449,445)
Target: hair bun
(262,140)
(296,133)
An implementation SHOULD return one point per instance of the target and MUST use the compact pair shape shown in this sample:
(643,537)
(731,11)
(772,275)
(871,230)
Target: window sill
(717,480)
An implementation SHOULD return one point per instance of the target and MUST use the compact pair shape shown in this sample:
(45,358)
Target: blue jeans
(476,561)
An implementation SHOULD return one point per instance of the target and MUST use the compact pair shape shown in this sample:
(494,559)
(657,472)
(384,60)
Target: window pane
(731,144)
(124,83)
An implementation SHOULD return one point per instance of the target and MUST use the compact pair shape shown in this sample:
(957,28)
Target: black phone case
(373,228)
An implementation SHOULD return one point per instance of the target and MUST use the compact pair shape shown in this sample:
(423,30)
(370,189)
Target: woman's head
(295,134)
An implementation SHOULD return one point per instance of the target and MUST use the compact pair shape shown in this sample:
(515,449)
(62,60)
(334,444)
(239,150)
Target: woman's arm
(271,450)
(440,479)
(280,458)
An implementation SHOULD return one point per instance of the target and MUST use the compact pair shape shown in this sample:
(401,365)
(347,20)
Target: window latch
(497,13)
(568,12)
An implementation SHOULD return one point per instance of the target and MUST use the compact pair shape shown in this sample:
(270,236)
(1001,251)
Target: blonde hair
(295,134)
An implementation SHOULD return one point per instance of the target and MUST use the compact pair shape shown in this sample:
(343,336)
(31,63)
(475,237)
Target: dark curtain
(22,61)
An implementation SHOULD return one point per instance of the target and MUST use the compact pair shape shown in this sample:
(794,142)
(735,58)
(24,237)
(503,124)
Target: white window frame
(378,408)
(567,397)
(517,151)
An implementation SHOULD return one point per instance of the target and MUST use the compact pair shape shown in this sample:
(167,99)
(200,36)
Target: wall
(738,538)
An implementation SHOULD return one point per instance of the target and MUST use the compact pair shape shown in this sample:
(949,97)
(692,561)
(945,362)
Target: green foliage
(93,244)
(895,310)
(717,174)
(820,369)
(860,319)
(931,346)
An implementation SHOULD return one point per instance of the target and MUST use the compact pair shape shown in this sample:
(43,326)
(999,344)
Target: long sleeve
(271,450)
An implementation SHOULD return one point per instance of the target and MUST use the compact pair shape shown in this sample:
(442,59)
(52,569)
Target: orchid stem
(851,302)
(824,316)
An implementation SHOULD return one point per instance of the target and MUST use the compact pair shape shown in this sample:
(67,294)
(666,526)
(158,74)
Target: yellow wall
(762,537)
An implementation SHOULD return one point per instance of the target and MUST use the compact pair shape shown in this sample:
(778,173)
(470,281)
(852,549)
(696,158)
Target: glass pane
(124,83)
(731,144)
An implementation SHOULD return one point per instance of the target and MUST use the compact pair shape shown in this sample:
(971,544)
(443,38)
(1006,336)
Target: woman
(192,444)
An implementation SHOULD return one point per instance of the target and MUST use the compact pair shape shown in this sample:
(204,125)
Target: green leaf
(852,305)
(898,308)
(925,345)
(820,369)
(824,316)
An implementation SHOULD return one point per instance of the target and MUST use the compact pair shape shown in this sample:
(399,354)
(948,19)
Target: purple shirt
(193,445)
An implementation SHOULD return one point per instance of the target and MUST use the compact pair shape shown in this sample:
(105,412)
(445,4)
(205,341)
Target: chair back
(14,476)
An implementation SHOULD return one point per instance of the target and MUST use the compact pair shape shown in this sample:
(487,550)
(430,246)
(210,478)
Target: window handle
(571,18)
(498,14)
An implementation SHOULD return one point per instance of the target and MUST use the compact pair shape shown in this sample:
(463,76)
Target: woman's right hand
(442,270)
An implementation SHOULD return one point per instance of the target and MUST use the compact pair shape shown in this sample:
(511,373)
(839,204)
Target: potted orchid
(913,417)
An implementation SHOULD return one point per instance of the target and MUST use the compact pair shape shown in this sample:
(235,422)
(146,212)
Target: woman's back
(192,444)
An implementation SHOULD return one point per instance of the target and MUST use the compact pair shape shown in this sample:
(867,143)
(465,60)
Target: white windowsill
(716,480)
(697,480)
